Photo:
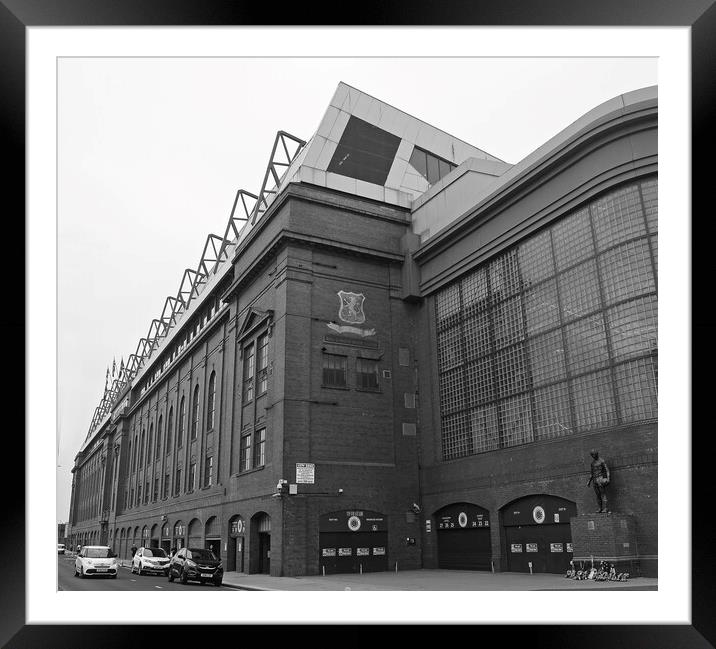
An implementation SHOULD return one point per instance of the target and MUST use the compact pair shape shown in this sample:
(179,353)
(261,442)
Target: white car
(96,560)
(150,560)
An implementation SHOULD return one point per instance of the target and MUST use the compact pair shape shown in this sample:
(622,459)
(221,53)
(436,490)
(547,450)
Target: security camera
(416,508)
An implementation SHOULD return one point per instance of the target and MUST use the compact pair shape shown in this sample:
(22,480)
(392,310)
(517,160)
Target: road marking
(158,587)
(132,580)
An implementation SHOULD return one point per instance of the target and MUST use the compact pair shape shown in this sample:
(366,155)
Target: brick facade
(377,448)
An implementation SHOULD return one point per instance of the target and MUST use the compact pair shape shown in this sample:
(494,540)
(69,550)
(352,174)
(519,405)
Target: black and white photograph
(332,328)
(399,361)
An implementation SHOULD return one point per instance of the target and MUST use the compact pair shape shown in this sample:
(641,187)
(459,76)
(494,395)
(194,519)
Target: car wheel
(184,577)
(114,576)
(76,573)
(139,568)
(82,573)
(217,582)
(170,576)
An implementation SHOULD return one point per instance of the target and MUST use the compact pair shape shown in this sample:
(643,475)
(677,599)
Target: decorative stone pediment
(253,319)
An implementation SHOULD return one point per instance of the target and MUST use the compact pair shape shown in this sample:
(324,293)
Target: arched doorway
(179,534)
(353,541)
(235,545)
(463,532)
(195,534)
(261,543)
(154,536)
(536,531)
(212,535)
(166,539)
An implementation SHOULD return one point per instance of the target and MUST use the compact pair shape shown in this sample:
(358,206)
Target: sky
(151,152)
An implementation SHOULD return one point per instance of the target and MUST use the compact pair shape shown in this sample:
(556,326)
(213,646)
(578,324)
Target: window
(556,335)
(182,420)
(131,497)
(166,486)
(248,383)
(260,448)
(170,425)
(195,412)
(245,453)
(365,152)
(146,492)
(156,489)
(177,482)
(159,438)
(429,166)
(134,457)
(366,374)
(192,477)
(208,471)
(149,444)
(262,364)
(141,451)
(139,494)
(211,406)
(334,370)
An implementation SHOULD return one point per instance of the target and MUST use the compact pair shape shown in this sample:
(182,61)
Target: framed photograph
(294,222)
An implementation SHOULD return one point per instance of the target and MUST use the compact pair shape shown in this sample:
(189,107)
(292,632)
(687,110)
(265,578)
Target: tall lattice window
(181,423)
(211,405)
(556,335)
(262,364)
(248,376)
(195,414)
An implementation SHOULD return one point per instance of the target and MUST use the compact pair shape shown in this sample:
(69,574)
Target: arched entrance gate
(464,537)
(536,530)
(351,541)
(235,546)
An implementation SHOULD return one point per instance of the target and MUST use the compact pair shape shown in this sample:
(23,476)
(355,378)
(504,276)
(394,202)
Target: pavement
(430,580)
(426,580)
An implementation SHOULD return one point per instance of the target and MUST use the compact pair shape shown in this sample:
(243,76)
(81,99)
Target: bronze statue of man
(600,477)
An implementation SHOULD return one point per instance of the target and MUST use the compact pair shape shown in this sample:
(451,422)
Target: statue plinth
(605,537)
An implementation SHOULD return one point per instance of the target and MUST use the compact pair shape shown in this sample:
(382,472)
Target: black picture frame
(17,15)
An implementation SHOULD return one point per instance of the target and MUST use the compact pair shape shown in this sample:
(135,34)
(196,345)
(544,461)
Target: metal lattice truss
(286,148)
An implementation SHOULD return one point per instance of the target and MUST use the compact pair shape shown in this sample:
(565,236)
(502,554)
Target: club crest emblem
(351,309)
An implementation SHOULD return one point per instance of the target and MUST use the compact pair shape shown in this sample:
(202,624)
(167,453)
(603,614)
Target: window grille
(334,370)
(555,335)
(366,374)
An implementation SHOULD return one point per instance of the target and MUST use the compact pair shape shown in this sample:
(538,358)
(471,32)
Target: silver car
(94,560)
(150,560)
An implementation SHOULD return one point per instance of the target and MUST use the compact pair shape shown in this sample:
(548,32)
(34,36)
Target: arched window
(195,413)
(159,438)
(149,445)
(211,405)
(182,418)
(170,426)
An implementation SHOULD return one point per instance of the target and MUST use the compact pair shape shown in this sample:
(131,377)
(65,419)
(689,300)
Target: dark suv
(197,564)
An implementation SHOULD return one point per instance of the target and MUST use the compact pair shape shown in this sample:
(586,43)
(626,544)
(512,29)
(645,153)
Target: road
(125,580)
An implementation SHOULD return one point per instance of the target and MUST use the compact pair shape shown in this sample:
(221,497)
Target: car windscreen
(203,555)
(97,553)
(155,552)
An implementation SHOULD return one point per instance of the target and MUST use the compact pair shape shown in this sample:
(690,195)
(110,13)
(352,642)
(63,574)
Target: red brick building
(401,353)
